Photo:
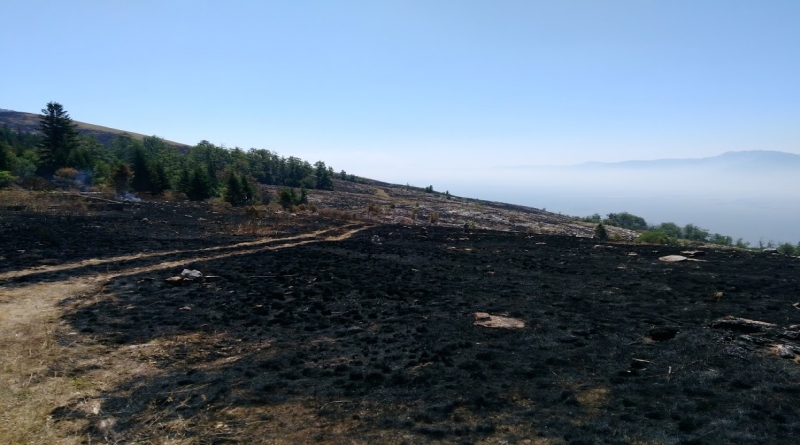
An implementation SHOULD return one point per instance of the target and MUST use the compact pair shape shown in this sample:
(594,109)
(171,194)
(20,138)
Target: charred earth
(313,329)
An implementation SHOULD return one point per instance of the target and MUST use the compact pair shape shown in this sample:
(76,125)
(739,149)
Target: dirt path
(31,344)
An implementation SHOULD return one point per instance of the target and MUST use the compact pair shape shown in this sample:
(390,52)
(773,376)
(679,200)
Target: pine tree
(142,179)
(234,193)
(5,157)
(200,187)
(159,180)
(248,192)
(185,181)
(59,138)
(600,232)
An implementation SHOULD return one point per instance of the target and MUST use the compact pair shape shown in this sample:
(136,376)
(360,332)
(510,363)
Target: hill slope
(29,122)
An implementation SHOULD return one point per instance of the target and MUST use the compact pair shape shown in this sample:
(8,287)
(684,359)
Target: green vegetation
(671,233)
(287,198)
(655,237)
(151,165)
(626,221)
(600,232)
(239,190)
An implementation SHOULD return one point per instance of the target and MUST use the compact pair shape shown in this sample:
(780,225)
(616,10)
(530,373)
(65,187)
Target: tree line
(150,165)
(670,233)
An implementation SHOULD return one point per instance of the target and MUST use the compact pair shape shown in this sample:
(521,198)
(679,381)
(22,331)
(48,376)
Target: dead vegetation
(309,330)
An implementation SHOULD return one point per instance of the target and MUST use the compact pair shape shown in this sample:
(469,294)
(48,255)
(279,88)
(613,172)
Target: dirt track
(370,338)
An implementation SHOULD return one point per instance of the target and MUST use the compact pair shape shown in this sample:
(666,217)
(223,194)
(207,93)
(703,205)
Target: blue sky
(405,90)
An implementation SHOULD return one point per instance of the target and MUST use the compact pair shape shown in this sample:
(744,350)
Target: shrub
(654,237)
(6,179)
(600,232)
(434,217)
(787,249)
(121,178)
(36,183)
(64,178)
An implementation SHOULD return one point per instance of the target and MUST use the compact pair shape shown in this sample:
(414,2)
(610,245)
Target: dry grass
(57,202)
(29,387)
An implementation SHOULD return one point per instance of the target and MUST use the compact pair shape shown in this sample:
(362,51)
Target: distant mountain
(754,160)
(29,122)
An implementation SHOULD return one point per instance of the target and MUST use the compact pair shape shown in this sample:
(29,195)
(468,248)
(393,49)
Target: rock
(497,321)
(770,250)
(741,324)
(785,351)
(673,258)
(176,281)
(693,252)
(663,333)
(191,274)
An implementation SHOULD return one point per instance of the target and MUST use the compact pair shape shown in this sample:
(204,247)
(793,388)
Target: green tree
(721,239)
(200,187)
(159,180)
(303,199)
(234,193)
(248,191)
(694,233)
(142,179)
(185,181)
(595,218)
(786,249)
(626,220)
(59,138)
(5,156)
(287,198)
(324,177)
(671,229)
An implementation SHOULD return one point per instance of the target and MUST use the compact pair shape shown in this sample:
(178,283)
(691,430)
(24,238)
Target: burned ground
(370,339)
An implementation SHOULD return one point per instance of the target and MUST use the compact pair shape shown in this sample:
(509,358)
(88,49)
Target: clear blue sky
(405,89)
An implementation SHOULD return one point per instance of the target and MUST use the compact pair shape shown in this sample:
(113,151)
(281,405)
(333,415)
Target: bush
(6,179)
(600,232)
(36,183)
(434,217)
(787,249)
(655,237)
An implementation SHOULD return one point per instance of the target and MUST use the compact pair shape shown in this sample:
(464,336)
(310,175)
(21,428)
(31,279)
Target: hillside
(29,122)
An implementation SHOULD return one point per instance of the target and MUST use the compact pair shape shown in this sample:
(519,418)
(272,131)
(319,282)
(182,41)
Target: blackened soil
(377,334)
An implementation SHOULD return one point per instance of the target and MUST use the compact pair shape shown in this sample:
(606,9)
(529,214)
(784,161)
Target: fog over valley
(752,195)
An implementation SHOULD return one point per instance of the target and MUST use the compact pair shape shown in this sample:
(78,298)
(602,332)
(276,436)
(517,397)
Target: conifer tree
(248,192)
(5,157)
(200,187)
(59,138)
(234,193)
(142,179)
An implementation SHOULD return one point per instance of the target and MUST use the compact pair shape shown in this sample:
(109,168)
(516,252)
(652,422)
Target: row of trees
(670,233)
(151,165)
